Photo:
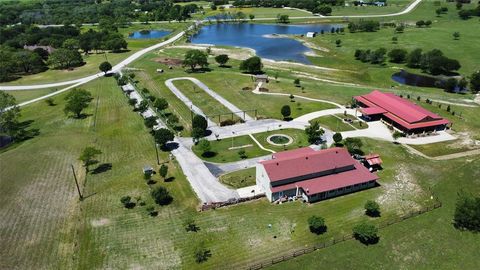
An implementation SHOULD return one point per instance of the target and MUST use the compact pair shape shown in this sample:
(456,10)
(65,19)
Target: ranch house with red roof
(399,112)
(314,175)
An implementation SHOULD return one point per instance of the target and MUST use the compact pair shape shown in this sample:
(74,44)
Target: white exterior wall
(263,181)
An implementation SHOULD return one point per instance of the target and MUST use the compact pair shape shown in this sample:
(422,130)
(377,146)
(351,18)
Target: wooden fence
(299,252)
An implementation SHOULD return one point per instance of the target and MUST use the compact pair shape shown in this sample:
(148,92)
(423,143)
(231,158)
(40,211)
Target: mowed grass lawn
(393,6)
(209,106)
(299,139)
(239,179)
(221,150)
(445,148)
(333,123)
(44,226)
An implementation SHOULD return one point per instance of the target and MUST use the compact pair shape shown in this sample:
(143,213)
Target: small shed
(311,34)
(261,78)
(128,88)
(373,161)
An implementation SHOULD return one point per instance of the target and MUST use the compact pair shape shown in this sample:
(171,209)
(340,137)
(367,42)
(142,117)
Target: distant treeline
(310,5)
(91,11)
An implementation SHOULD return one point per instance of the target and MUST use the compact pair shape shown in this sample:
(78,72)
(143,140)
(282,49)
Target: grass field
(259,12)
(222,150)
(25,95)
(333,123)
(239,179)
(204,101)
(445,148)
(392,7)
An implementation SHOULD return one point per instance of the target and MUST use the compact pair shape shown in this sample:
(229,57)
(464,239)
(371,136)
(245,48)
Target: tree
(28,62)
(317,225)
(204,146)
(201,253)
(88,156)
(465,14)
(105,67)
(163,171)
(9,115)
(467,212)
(400,29)
(475,82)
(199,122)
(420,23)
(251,16)
(77,100)
(286,111)
(456,35)
(71,44)
(414,58)
(396,135)
(338,42)
(372,208)
(450,85)
(142,106)
(252,65)
(150,121)
(323,10)
(397,55)
(65,58)
(194,58)
(242,154)
(160,104)
(222,59)
(366,233)
(197,133)
(428,23)
(354,145)
(314,132)
(296,82)
(161,196)
(337,138)
(162,136)
(283,18)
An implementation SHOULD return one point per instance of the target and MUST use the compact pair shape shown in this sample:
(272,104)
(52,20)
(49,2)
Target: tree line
(90,11)
(314,6)
(28,49)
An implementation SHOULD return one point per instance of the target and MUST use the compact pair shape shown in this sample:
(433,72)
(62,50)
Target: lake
(259,37)
(144,34)
(407,78)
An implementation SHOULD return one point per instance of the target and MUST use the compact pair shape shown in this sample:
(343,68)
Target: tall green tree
(88,156)
(222,59)
(467,212)
(194,58)
(475,82)
(163,171)
(162,136)
(105,67)
(314,132)
(160,104)
(77,100)
(9,114)
(286,111)
(252,65)
(65,58)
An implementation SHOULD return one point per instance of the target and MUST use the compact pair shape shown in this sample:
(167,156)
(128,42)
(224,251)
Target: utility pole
(76,183)
(156,151)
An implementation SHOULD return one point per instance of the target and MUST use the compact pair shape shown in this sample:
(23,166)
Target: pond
(262,38)
(145,34)
(407,78)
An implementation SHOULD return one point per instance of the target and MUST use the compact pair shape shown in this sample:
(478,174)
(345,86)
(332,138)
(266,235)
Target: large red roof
(304,161)
(331,182)
(400,110)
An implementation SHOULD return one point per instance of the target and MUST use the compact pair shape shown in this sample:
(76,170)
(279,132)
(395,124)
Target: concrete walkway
(214,95)
(260,145)
(204,183)
(218,169)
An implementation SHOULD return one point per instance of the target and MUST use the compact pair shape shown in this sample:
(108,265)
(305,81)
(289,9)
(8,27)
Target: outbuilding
(312,175)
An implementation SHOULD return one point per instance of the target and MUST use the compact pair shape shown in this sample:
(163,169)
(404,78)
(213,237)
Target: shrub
(201,253)
(372,208)
(242,154)
(190,225)
(127,202)
(151,211)
(366,233)
(467,212)
(337,138)
(317,225)
(286,111)
(161,196)
(227,122)
(50,102)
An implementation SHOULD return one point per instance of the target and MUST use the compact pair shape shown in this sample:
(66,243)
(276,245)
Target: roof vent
(278,163)
(306,157)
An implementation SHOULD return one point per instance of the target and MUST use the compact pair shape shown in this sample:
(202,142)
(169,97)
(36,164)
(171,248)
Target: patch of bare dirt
(100,222)
(169,61)
(401,193)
